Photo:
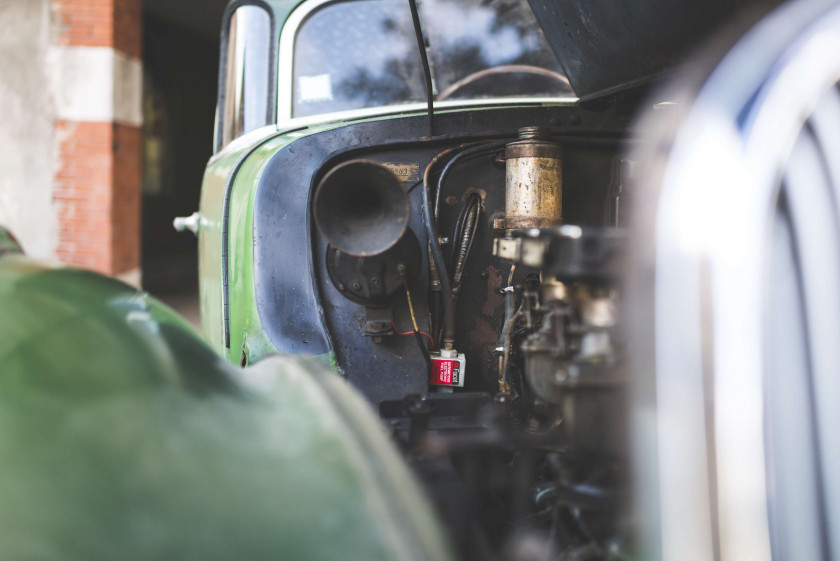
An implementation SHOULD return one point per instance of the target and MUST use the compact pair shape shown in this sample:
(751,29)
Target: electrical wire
(411,309)
(473,232)
(423,333)
(510,318)
(423,350)
(430,216)
(459,227)
(465,232)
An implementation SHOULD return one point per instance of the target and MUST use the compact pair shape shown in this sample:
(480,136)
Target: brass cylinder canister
(534,181)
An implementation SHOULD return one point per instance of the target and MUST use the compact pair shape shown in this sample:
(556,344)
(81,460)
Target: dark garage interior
(181,56)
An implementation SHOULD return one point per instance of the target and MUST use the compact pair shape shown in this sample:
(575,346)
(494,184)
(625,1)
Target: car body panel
(215,187)
(124,436)
(230,302)
(235,175)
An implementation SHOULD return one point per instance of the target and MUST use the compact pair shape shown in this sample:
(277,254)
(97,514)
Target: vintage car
(450,205)
(479,280)
(341,219)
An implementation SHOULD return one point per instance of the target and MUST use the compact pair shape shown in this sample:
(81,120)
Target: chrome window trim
(413,108)
(285,71)
(271,106)
(285,66)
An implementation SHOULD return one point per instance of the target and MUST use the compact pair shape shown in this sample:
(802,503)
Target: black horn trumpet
(362,211)
(361,208)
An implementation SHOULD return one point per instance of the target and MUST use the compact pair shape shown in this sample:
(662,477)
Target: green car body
(124,436)
(236,170)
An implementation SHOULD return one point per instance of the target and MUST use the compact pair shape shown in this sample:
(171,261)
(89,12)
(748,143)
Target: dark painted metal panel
(609,45)
(299,308)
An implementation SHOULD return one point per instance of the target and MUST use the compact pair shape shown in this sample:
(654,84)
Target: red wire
(412,333)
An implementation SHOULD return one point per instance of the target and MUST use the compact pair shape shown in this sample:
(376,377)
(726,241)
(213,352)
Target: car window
(363,53)
(356,54)
(489,49)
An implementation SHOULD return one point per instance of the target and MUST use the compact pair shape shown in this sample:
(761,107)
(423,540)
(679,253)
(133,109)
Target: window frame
(285,77)
(271,93)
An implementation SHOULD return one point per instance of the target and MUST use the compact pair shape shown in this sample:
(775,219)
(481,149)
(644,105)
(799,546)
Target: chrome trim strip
(413,108)
(285,56)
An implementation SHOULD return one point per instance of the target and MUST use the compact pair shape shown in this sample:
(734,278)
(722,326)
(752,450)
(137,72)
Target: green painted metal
(122,436)
(221,169)
(246,332)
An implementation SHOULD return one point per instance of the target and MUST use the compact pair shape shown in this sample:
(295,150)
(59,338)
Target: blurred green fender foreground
(123,437)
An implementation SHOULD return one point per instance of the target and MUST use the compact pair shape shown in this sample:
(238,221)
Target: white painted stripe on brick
(96,84)
(132,277)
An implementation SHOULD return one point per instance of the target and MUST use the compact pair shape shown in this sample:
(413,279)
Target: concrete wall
(28,145)
(70,130)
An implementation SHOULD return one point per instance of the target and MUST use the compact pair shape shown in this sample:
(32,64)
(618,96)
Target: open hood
(610,45)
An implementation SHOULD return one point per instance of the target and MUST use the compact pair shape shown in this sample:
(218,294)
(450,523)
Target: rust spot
(360,322)
(494,300)
(481,193)
(484,337)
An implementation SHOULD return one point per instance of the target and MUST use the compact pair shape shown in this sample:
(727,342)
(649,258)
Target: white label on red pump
(448,371)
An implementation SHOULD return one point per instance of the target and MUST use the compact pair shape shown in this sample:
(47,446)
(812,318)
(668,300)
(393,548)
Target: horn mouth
(361,208)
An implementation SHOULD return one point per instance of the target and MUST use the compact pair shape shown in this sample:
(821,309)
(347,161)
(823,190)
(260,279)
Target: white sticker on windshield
(315,88)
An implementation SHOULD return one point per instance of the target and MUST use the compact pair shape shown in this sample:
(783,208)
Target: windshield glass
(363,53)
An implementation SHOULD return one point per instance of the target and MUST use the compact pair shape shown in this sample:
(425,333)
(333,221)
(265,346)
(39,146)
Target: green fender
(122,436)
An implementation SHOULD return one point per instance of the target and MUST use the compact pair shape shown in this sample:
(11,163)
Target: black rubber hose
(443,275)
(467,153)
(434,306)
(425,352)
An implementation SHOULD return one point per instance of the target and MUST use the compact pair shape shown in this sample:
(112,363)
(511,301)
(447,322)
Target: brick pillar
(96,66)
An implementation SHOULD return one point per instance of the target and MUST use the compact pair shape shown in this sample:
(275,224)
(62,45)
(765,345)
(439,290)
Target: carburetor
(571,355)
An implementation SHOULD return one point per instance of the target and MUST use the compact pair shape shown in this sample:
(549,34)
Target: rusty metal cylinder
(534,181)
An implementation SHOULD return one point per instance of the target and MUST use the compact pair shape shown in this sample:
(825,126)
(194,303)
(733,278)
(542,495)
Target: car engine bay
(507,401)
